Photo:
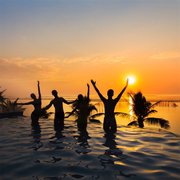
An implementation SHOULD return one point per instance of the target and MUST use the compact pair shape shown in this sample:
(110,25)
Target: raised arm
(88,91)
(120,94)
(97,90)
(39,92)
(27,103)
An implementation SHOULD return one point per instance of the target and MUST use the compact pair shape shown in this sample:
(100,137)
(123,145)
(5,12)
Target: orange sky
(65,44)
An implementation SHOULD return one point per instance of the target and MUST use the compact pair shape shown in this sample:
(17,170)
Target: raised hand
(127,81)
(93,82)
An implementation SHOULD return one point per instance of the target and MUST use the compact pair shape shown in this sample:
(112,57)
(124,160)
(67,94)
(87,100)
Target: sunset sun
(131,79)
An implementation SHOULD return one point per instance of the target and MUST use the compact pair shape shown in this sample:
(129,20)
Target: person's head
(33,96)
(110,93)
(54,93)
(80,97)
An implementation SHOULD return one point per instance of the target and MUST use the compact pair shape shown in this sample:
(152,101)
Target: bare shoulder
(104,99)
(53,101)
(61,99)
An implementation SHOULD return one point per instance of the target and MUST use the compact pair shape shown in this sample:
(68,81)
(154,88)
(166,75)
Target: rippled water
(44,152)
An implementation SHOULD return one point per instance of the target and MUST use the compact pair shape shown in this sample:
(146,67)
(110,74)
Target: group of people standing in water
(81,104)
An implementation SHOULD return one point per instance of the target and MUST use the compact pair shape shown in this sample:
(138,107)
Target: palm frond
(74,113)
(127,100)
(9,106)
(131,94)
(124,115)
(158,121)
(44,114)
(2,98)
(133,123)
(1,92)
(150,112)
(156,103)
(96,115)
(92,107)
(94,120)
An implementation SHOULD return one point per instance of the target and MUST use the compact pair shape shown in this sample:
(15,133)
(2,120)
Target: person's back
(109,106)
(58,105)
(81,107)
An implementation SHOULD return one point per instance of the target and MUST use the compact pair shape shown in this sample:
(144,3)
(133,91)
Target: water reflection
(36,134)
(82,141)
(56,139)
(110,140)
(114,156)
(58,131)
(130,107)
(110,154)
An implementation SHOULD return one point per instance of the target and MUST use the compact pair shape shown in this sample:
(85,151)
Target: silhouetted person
(58,105)
(109,105)
(37,105)
(81,108)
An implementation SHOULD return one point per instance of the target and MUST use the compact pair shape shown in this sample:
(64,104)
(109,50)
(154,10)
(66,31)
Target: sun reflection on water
(119,163)
(130,107)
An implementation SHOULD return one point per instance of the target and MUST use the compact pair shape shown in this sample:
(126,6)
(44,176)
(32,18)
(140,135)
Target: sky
(66,43)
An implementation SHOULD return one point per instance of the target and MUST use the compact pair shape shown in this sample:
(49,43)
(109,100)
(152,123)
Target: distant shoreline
(152,98)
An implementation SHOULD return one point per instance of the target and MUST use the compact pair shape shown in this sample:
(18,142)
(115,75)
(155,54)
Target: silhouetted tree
(142,109)
(10,106)
(87,109)
(7,105)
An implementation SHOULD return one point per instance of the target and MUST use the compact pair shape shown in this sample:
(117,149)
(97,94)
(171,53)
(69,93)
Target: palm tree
(142,109)
(87,109)
(10,106)
(2,100)
(6,105)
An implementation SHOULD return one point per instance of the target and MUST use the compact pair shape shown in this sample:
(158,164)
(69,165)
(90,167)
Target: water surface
(45,152)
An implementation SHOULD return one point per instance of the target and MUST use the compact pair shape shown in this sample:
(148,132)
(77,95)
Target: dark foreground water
(44,152)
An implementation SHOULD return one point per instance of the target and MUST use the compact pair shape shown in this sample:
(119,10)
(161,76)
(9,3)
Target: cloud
(17,68)
(166,55)
(95,59)
(47,69)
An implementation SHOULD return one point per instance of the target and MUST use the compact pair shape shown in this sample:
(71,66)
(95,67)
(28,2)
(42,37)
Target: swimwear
(59,118)
(35,116)
(82,122)
(110,124)
(36,113)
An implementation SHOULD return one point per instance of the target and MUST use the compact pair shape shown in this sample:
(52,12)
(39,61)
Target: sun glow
(131,79)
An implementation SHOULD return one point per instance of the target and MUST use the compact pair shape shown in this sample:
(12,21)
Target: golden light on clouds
(74,44)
